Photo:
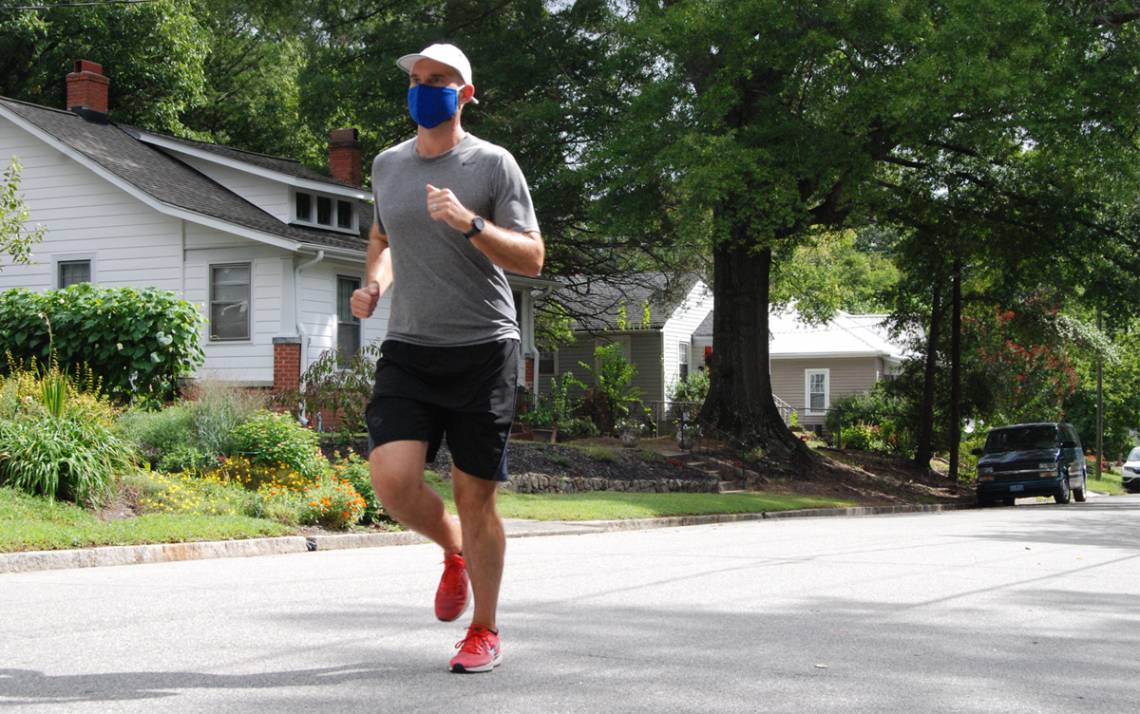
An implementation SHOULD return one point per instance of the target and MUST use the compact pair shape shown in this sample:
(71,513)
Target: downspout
(542,295)
(297,291)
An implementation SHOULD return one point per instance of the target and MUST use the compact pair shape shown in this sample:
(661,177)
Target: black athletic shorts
(466,393)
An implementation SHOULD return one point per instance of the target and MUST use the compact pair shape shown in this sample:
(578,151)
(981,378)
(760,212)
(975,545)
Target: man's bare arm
(522,253)
(377,275)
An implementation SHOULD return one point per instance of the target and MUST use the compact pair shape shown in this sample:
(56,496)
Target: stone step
(729,487)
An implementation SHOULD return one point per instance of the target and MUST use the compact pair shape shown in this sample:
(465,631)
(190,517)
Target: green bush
(878,409)
(157,492)
(218,409)
(864,437)
(356,471)
(613,393)
(578,428)
(156,434)
(269,439)
(70,457)
(140,342)
(185,458)
(332,503)
(332,385)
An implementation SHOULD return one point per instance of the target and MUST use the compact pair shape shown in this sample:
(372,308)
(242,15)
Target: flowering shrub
(269,439)
(253,476)
(332,503)
(355,470)
(158,492)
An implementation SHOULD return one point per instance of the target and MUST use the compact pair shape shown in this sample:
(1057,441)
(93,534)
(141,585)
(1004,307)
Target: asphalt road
(1027,609)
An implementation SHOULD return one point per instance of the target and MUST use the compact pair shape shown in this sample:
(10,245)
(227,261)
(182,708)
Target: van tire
(1064,494)
(1079,493)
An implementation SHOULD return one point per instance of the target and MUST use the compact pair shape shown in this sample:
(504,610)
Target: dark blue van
(1043,459)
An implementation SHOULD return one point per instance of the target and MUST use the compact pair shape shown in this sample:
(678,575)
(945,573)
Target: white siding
(128,242)
(246,361)
(273,197)
(679,328)
(318,307)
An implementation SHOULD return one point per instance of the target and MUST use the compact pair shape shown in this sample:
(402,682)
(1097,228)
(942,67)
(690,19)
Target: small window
(304,207)
(74,271)
(546,364)
(324,211)
(683,359)
(344,214)
(816,390)
(347,324)
(229,301)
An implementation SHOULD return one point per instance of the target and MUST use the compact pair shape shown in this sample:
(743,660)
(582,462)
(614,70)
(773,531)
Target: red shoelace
(478,639)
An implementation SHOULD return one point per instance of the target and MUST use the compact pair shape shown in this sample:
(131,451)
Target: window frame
(358,324)
(683,359)
(212,338)
(57,260)
(334,214)
(808,374)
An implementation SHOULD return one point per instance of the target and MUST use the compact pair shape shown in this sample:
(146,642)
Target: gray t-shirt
(446,292)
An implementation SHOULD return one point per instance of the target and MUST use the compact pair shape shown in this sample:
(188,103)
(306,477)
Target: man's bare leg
(397,470)
(484,542)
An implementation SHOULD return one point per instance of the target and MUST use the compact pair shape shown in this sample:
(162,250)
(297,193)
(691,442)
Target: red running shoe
(451,596)
(479,651)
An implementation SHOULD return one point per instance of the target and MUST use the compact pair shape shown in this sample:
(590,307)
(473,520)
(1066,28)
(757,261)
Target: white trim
(808,374)
(58,258)
(250,322)
(353,230)
(825,355)
(516,280)
(334,188)
(137,193)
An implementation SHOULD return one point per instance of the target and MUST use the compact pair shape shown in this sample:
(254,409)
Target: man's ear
(466,93)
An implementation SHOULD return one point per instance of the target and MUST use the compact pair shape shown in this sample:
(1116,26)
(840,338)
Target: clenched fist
(364,300)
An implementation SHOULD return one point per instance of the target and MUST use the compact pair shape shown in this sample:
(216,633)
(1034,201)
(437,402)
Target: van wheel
(1009,501)
(1079,493)
(1064,495)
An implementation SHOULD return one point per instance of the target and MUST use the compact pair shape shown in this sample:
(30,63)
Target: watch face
(477,223)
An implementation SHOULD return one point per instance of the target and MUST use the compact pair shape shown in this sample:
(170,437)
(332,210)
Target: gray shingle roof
(289,167)
(117,149)
(596,305)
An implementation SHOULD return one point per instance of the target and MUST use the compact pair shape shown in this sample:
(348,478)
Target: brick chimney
(344,156)
(87,89)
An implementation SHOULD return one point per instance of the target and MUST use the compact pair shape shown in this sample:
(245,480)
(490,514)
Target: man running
(453,212)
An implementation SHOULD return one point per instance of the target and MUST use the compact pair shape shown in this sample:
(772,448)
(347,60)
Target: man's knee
(394,480)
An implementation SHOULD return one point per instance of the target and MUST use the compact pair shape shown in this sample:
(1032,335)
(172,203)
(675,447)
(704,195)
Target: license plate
(1016,487)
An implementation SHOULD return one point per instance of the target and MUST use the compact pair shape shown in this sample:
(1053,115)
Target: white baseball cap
(449,55)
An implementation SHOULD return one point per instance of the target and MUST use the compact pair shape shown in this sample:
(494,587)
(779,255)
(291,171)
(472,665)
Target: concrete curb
(170,552)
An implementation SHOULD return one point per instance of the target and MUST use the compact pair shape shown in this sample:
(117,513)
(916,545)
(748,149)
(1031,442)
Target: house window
(229,301)
(324,211)
(347,324)
(74,271)
(817,390)
(546,365)
(683,359)
(344,214)
(304,203)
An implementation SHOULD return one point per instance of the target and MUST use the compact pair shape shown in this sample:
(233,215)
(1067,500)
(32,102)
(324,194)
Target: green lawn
(33,523)
(1109,483)
(612,505)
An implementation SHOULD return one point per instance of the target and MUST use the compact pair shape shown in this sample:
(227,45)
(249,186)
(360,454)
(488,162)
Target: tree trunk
(923,450)
(739,401)
(956,371)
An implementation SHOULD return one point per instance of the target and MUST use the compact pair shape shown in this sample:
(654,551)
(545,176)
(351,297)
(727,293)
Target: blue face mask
(431,106)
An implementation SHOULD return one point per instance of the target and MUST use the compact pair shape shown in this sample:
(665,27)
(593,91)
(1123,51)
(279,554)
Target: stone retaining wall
(543,483)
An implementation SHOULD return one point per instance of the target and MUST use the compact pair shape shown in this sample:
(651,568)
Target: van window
(1021,437)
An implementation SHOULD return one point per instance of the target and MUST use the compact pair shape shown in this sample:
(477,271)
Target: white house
(268,249)
(812,365)
(653,319)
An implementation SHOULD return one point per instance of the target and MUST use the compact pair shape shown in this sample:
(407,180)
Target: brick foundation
(286,363)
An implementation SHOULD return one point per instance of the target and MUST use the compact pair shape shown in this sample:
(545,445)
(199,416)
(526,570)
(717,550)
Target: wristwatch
(477,226)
